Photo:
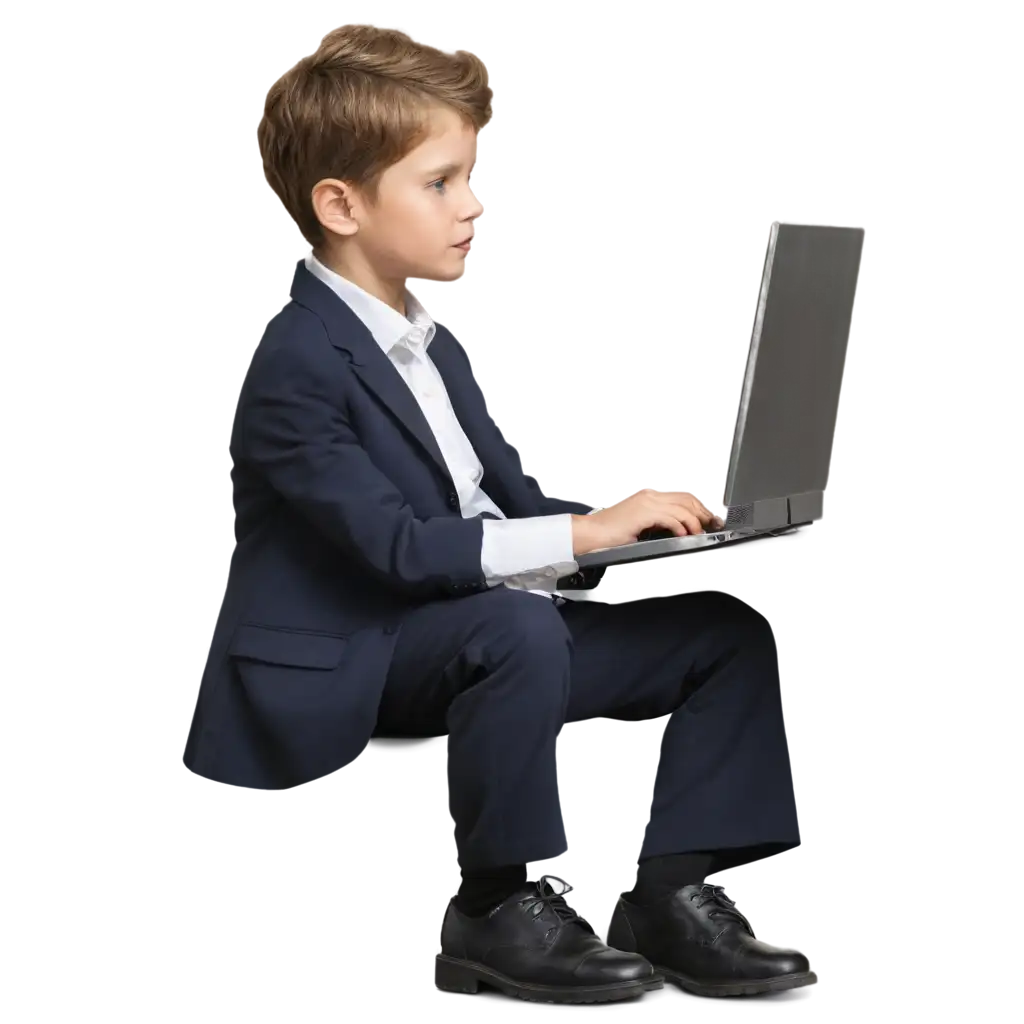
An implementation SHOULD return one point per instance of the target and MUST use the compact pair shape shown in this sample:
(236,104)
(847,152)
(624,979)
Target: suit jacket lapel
(503,479)
(352,337)
(381,377)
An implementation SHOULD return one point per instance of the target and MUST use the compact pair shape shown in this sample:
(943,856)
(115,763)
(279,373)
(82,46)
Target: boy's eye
(441,181)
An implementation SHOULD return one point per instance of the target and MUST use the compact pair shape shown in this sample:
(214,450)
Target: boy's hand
(710,498)
(678,511)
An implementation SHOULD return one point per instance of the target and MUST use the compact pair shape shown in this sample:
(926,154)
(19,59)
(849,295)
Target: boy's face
(425,206)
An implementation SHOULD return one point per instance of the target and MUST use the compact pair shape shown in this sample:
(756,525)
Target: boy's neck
(389,293)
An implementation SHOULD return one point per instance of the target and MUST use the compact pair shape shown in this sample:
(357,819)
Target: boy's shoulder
(294,335)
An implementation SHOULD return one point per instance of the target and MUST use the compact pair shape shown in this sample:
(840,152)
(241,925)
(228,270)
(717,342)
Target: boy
(396,573)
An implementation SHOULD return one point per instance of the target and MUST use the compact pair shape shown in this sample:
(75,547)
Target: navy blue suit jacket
(346,516)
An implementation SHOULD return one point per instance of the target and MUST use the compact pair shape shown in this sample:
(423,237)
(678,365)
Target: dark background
(138,255)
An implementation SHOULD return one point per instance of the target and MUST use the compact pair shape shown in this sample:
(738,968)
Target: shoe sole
(454,975)
(737,988)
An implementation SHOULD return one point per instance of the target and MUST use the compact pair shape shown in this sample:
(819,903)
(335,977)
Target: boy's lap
(433,633)
(651,622)
(632,660)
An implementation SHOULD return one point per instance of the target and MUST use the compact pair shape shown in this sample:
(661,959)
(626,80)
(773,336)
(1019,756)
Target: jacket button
(453,501)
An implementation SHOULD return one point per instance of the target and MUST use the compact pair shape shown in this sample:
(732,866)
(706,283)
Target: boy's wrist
(584,534)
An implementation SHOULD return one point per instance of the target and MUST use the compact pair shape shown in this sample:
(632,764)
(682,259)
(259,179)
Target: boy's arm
(295,434)
(534,544)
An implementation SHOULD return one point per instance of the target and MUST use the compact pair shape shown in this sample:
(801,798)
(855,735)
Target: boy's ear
(333,203)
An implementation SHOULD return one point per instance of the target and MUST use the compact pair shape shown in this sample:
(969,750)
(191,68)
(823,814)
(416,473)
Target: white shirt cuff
(538,545)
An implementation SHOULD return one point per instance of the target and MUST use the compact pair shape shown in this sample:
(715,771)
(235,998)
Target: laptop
(782,444)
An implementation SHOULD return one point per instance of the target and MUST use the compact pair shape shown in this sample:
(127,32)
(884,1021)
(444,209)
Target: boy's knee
(728,615)
(735,622)
(736,611)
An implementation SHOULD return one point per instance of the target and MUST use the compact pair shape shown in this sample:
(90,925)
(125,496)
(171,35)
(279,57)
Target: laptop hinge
(772,513)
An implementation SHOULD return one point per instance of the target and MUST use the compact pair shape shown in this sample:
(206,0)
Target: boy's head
(355,140)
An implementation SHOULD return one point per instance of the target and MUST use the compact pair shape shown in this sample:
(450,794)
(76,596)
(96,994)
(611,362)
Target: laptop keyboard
(661,533)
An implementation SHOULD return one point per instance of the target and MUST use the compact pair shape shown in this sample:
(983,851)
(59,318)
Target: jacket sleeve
(295,434)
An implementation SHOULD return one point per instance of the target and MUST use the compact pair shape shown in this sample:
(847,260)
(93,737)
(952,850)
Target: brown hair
(357,106)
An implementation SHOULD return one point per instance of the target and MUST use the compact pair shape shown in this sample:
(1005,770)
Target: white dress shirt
(525,554)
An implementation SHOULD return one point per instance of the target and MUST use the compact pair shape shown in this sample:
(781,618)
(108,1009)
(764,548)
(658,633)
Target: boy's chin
(444,273)
(451,272)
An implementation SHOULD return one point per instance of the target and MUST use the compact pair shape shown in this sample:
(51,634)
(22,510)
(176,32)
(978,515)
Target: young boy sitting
(396,573)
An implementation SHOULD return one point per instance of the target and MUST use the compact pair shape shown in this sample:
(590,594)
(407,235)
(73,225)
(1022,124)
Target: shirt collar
(413,331)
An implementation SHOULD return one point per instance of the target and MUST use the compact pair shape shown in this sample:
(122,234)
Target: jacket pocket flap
(287,647)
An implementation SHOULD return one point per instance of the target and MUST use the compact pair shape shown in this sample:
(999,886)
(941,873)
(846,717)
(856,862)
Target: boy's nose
(477,209)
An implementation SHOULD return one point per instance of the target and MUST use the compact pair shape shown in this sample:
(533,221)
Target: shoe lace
(555,900)
(724,907)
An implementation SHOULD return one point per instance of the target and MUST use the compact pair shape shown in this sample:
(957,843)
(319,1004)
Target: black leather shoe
(535,946)
(698,940)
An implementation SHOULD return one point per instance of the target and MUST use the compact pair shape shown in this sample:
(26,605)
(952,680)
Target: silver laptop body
(782,444)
